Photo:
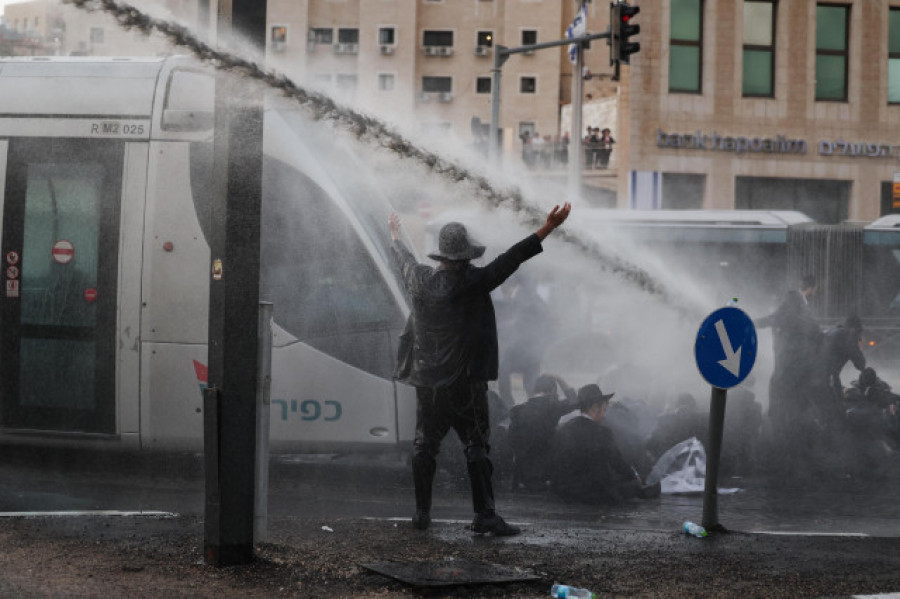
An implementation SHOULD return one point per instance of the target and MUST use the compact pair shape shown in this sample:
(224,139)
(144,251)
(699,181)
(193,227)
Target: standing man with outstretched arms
(448,352)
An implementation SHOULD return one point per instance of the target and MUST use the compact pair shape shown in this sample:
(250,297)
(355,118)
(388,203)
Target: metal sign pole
(230,402)
(263,409)
(716,430)
(725,351)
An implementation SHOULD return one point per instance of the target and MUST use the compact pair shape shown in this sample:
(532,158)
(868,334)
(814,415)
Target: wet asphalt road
(843,523)
(381,487)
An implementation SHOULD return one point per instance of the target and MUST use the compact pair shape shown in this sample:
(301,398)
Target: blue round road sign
(725,349)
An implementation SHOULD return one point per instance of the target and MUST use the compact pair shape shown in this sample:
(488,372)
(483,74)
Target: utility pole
(229,422)
(495,142)
(203,19)
(575,151)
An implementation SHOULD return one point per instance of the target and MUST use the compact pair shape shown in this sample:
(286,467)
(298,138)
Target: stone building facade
(48,28)
(763,104)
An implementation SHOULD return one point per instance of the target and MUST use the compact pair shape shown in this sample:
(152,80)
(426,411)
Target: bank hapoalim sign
(780,144)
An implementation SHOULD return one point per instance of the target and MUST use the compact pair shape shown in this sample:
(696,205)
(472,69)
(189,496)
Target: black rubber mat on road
(449,572)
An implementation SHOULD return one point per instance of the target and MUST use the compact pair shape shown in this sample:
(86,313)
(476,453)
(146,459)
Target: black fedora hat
(591,394)
(454,244)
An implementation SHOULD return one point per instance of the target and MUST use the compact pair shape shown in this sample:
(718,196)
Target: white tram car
(104,181)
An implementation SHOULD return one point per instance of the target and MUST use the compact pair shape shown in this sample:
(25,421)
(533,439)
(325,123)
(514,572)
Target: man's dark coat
(452,330)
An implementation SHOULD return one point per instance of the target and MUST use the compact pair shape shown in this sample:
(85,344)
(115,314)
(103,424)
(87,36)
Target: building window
(759,48)
(682,191)
(386,36)
(894,56)
(319,35)
(437,84)
(96,35)
(527,85)
(686,46)
(437,38)
(832,31)
(483,85)
(386,82)
(485,38)
(279,34)
(348,36)
(529,37)
(36,21)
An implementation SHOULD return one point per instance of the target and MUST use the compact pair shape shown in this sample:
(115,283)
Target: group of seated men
(579,461)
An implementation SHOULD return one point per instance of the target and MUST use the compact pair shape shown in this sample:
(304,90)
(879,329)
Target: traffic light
(614,21)
(625,29)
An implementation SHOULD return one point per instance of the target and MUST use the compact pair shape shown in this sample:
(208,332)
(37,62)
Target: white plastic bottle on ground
(694,529)
(564,591)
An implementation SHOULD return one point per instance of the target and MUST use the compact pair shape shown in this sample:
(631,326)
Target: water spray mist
(370,130)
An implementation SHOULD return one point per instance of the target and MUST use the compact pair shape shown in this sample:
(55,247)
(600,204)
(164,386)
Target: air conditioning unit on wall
(387,49)
(346,48)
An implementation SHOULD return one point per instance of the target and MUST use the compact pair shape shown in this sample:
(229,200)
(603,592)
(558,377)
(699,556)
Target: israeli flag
(578,28)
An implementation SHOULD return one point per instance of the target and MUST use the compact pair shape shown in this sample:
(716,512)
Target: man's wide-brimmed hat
(591,394)
(455,244)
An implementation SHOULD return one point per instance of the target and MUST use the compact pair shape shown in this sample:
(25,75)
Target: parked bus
(104,181)
(703,258)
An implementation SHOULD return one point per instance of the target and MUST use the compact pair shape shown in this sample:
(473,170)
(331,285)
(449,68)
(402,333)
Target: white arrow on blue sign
(725,349)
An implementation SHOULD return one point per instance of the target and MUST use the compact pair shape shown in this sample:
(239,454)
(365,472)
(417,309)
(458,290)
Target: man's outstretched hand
(555,218)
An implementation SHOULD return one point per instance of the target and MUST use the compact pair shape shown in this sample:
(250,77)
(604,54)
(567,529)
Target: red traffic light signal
(626,29)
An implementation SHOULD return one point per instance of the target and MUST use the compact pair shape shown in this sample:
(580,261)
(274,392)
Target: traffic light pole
(576,156)
(501,55)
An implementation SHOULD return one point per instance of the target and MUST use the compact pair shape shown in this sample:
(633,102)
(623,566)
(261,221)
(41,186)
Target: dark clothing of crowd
(531,429)
(453,326)
(597,148)
(873,410)
(588,466)
(841,345)
(797,342)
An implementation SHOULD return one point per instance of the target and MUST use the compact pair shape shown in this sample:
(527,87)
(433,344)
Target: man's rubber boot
(480,471)
(423,477)
(494,524)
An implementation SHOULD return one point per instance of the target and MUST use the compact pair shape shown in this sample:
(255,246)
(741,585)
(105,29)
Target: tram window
(190,97)
(321,276)
(881,278)
(63,203)
(325,286)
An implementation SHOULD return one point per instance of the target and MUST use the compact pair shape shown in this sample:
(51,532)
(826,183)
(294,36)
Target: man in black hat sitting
(449,352)
(588,466)
(531,428)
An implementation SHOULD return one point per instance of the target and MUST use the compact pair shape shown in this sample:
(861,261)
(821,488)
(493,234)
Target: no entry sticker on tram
(63,251)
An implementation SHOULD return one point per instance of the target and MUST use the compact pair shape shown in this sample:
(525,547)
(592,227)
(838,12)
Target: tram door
(59,256)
